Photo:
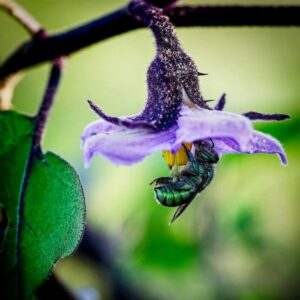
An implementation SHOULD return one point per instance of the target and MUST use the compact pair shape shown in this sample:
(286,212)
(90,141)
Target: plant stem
(43,113)
(8,83)
(53,288)
(21,15)
(37,51)
(40,121)
(99,249)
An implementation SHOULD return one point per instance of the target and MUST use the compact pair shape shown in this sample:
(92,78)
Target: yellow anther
(179,158)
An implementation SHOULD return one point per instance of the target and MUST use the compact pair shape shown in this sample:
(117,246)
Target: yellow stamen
(179,158)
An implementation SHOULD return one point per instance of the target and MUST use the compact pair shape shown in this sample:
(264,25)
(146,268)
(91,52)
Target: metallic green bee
(182,188)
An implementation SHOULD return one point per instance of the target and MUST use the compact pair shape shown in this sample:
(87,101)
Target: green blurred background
(240,237)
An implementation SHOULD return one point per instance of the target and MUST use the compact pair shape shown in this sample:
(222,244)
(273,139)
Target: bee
(180,189)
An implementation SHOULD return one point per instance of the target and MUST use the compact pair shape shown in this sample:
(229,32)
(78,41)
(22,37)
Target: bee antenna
(152,182)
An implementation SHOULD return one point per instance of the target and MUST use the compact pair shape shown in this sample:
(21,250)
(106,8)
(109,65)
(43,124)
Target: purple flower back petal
(197,124)
(259,143)
(265,117)
(95,127)
(221,103)
(123,146)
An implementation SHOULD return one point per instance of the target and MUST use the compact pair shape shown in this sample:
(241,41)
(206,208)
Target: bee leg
(174,170)
(189,173)
(179,211)
(189,154)
(162,180)
(212,143)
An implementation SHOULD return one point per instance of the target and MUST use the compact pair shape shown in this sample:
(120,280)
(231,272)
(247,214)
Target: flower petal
(197,124)
(123,146)
(259,143)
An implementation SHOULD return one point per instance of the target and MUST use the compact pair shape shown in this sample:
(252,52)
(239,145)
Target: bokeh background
(240,239)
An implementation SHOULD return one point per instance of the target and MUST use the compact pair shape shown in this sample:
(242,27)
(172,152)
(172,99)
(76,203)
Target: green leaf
(46,223)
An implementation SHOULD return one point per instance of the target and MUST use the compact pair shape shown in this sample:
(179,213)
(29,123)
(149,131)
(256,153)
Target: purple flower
(231,133)
(175,111)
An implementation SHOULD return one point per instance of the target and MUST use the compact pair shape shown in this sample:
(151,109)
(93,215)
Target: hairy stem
(37,51)
(159,24)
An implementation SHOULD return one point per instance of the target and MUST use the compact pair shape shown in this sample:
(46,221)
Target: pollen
(179,158)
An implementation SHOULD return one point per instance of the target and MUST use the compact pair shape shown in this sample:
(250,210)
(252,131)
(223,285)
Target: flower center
(179,158)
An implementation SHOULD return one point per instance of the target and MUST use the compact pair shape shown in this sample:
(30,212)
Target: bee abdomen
(169,197)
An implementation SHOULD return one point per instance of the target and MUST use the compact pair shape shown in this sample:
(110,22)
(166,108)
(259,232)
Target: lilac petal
(123,146)
(259,143)
(197,124)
